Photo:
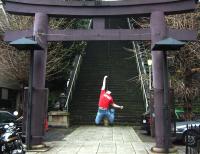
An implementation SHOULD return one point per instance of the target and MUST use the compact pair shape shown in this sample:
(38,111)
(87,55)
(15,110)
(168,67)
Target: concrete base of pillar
(156,150)
(58,119)
(38,148)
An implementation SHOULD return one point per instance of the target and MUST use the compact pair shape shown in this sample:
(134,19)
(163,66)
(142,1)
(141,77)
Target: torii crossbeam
(85,9)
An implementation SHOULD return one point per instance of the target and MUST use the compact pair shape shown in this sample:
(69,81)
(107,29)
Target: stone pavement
(98,140)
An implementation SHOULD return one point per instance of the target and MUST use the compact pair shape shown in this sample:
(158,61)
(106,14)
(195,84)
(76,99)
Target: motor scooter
(10,140)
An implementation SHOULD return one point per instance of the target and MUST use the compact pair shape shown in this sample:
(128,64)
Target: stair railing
(4,12)
(71,82)
(141,54)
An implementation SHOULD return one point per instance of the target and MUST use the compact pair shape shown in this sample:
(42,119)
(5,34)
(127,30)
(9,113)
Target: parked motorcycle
(10,140)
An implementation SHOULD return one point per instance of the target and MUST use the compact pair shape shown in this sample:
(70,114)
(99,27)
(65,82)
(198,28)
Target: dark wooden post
(98,23)
(159,32)
(39,91)
(1,37)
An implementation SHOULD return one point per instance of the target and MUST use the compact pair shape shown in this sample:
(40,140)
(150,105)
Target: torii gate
(98,10)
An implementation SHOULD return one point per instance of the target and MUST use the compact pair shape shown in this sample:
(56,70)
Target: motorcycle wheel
(19,149)
(190,138)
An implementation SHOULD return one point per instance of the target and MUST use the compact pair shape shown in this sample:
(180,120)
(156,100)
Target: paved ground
(96,140)
(150,141)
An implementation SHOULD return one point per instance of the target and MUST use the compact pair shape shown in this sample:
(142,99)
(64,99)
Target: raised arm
(104,83)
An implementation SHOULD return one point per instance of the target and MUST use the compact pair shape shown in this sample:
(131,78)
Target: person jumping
(105,100)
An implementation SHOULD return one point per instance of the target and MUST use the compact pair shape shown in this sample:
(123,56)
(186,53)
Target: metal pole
(29,105)
(149,78)
(166,114)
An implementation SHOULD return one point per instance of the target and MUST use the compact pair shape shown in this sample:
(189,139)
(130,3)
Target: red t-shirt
(105,100)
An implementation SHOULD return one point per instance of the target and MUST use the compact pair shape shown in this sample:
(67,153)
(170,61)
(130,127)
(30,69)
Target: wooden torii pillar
(40,93)
(1,37)
(159,32)
(98,11)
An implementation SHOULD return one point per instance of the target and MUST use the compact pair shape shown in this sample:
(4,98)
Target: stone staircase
(107,58)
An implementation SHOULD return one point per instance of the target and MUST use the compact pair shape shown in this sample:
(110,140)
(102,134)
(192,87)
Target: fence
(192,139)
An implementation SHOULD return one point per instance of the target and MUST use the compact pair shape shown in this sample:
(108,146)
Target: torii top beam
(98,8)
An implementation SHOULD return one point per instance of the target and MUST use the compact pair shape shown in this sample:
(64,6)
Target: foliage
(14,65)
(184,65)
(63,57)
(60,55)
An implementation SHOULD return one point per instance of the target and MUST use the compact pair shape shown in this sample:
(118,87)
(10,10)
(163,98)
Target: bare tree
(186,62)
(184,65)
(14,65)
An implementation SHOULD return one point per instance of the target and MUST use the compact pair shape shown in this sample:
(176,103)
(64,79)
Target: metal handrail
(4,12)
(72,80)
(1,7)
(141,67)
(74,76)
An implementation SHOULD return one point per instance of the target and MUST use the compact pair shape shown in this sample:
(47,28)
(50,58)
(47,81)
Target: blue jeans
(110,114)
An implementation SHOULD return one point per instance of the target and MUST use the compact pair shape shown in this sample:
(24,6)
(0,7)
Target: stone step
(107,58)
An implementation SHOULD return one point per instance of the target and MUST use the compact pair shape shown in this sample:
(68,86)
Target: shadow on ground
(145,137)
(151,141)
(58,134)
